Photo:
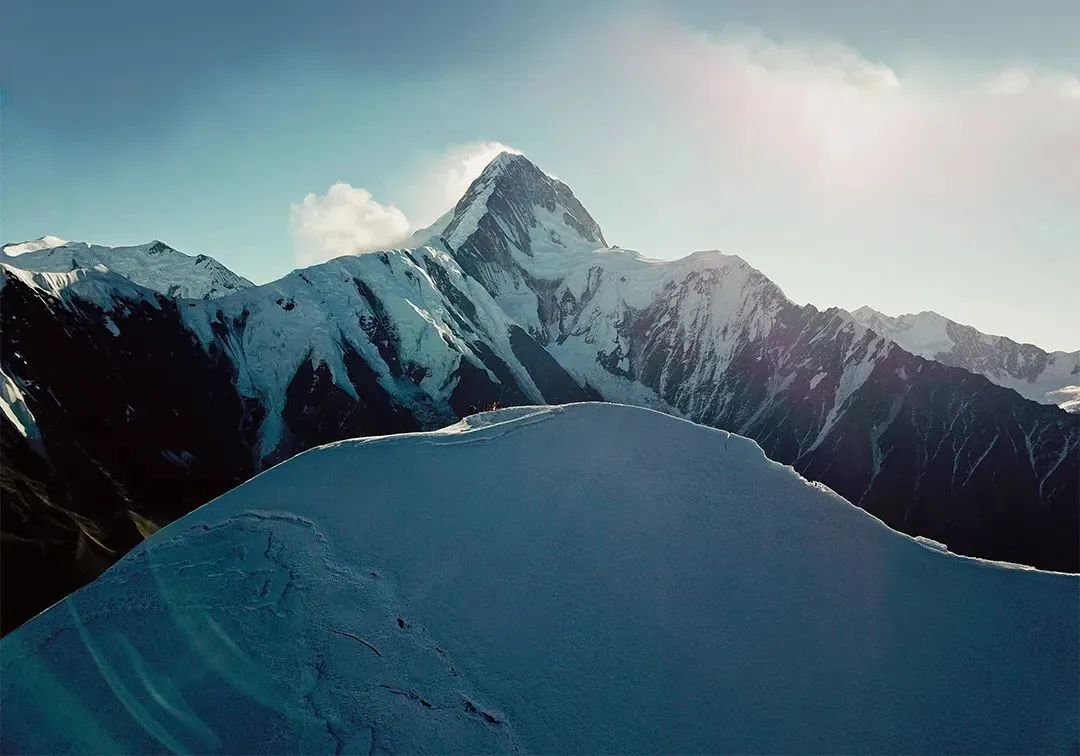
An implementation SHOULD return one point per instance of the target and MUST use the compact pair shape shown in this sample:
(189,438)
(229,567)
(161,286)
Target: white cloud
(819,117)
(1032,79)
(749,48)
(1008,82)
(818,111)
(344,221)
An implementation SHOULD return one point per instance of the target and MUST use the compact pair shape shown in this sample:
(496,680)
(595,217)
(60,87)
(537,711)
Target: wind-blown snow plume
(445,178)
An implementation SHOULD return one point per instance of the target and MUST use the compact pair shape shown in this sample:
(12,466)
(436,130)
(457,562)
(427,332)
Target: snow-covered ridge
(413,315)
(1066,397)
(1046,377)
(710,299)
(155,265)
(97,285)
(582,579)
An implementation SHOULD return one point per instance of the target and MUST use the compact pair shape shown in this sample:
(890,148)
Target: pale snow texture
(588,578)
(1066,397)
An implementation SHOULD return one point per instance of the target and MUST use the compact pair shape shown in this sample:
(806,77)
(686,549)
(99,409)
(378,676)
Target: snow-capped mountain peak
(539,214)
(517,229)
(154,265)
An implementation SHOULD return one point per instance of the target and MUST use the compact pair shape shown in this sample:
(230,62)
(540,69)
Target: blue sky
(909,156)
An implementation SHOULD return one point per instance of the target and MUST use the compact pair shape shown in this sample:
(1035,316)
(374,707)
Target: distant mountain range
(135,390)
(155,265)
(1047,377)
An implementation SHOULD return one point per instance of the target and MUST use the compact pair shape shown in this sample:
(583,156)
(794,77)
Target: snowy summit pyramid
(584,579)
(513,190)
(516,226)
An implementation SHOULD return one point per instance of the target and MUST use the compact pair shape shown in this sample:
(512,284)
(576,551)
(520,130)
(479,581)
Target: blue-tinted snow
(590,578)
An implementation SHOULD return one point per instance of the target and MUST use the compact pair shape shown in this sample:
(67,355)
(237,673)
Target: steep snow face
(512,190)
(691,329)
(1046,377)
(155,265)
(583,579)
(406,325)
(13,406)
(1066,397)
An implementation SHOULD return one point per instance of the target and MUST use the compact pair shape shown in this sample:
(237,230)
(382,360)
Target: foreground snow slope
(582,578)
